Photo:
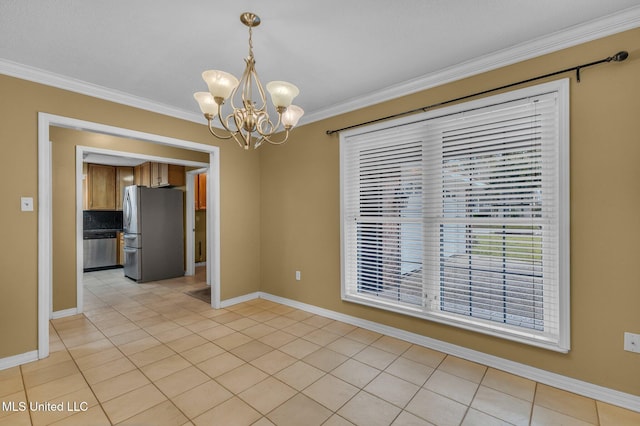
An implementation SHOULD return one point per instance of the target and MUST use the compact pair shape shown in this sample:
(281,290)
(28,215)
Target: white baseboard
(64,313)
(15,360)
(239,299)
(601,393)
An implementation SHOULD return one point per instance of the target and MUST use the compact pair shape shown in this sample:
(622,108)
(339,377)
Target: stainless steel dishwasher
(100,249)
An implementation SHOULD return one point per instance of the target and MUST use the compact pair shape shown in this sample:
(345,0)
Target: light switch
(26,204)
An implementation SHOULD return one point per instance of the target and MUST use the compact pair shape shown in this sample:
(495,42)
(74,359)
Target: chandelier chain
(250,42)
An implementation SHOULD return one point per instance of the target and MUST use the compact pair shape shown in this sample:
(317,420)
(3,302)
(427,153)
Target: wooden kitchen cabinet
(156,175)
(124,178)
(163,174)
(142,174)
(101,187)
(201,191)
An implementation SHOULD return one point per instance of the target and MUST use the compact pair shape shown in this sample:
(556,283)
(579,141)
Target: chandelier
(248,123)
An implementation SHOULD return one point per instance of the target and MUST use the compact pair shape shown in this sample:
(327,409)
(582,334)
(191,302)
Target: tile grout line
(26,395)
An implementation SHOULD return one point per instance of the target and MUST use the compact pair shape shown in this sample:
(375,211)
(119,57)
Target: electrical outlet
(297,275)
(632,342)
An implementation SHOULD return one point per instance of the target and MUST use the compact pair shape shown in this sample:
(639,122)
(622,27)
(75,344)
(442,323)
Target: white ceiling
(340,53)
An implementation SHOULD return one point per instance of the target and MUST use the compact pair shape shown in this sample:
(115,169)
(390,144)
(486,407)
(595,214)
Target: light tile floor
(147,354)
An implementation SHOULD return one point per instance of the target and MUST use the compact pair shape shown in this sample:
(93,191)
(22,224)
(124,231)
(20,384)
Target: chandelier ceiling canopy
(248,122)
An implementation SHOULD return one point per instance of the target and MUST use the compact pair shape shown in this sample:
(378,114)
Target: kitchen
(124,196)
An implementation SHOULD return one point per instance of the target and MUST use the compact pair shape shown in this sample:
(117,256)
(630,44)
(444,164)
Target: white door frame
(46,120)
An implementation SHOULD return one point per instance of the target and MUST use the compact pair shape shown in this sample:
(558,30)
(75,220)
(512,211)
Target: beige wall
(20,103)
(300,205)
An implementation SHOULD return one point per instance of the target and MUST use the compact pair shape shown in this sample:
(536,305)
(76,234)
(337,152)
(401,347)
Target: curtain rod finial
(620,56)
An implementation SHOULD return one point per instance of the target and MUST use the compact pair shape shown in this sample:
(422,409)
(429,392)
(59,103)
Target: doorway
(45,121)
(111,157)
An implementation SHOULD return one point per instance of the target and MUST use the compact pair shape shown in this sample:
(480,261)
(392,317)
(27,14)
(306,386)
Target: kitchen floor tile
(220,364)
(356,373)
(299,410)
(299,348)
(331,392)
(567,403)
(164,367)
(231,412)
(299,375)
(241,378)
(410,371)
(133,403)
(202,352)
(251,350)
(462,368)
(163,414)
(610,415)
(502,406)
(436,408)
(108,370)
(116,386)
(151,355)
(392,389)
(181,381)
(267,394)
(201,398)
(375,357)
(542,416)
(425,356)
(367,409)
(509,384)
(325,359)
(50,373)
(273,361)
(452,387)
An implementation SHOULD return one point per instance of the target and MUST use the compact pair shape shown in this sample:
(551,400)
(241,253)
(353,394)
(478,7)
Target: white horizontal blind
(495,216)
(457,219)
(384,211)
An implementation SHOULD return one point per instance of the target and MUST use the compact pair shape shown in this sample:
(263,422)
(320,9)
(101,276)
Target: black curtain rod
(618,57)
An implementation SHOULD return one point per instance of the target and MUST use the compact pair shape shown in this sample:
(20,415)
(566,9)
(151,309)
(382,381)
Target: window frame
(518,334)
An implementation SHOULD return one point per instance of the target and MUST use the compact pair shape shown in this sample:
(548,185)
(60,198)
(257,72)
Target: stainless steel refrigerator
(153,233)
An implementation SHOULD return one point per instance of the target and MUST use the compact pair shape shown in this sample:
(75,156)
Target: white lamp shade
(220,83)
(282,93)
(291,116)
(206,103)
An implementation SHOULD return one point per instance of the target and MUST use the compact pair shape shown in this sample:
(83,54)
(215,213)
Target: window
(461,215)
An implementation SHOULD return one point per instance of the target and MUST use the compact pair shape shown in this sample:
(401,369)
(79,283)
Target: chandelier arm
(273,128)
(246,138)
(286,136)
(210,126)
(270,130)
(239,142)
(225,123)
(263,96)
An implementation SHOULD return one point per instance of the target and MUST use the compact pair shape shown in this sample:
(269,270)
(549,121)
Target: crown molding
(611,24)
(47,78)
